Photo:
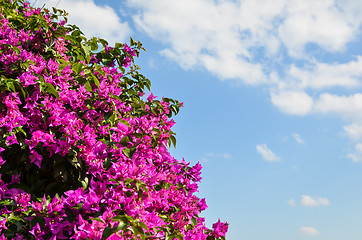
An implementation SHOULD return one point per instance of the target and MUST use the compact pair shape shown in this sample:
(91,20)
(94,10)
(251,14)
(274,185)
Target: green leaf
(107,115)
(78,206)
(108,231)
(88,87)
(10,86)
(180,236)
(139,231)
(103,42)
(98,219)
(13,218)
(175,235)
(95,79)
(125,140)
(85,183)
(62,63)
(148,84)
(87,51)
(143,226)
(117,45)
(124,218)
(19,86)
(132,42)
(49,88)
(127,152)
(194,221)
(173,140)
(6,202)
(78,68)
(93,44)
(168,100)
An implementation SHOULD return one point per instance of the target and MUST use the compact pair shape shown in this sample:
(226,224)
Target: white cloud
(359,147)
(202,33)
(352,9)
(293,102)
(266,153)
(309,231)
(357,155)
(308,201)
(354,131)
(348,107)
(319,22)
(227,37)
(298,138)
(265,42)
(225,155)
(323,76)
(92,19)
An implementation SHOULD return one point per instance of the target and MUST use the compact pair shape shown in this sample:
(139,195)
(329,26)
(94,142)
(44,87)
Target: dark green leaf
(95,79)
(49,88)
(194,221)
(78,67)
(127,152)
(10,85)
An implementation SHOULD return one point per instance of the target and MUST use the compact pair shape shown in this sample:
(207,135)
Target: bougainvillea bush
(83,148)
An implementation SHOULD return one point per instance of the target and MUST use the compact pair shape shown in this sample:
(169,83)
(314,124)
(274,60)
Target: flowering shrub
(83,150)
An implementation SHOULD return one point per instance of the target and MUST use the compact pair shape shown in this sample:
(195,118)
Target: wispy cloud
(266,153)
(229,33)
(228,38)
(309,201)
(94,20)
(354,131)
(292,203)
(292,102)
(357,155)
(309,231)
(298,138)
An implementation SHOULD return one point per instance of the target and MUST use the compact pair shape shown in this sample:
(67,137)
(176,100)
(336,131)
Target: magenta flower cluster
(83,152)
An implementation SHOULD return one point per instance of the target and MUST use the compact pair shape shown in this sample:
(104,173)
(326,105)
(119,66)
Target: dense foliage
(83,151)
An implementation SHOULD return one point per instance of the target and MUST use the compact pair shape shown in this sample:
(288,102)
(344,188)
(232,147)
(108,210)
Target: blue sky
(273,104)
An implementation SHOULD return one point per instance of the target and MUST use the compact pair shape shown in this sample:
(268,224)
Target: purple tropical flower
(37,232)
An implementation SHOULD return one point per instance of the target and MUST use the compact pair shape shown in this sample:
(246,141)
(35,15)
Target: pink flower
(12,100)
(151,97)
(15,179)
(37,232)
(40,136)
(76,128)
(2,224)
(2,161)
(35,158)
(128,50)
(126,62)
(220,228)
(11,140)
(27,78)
